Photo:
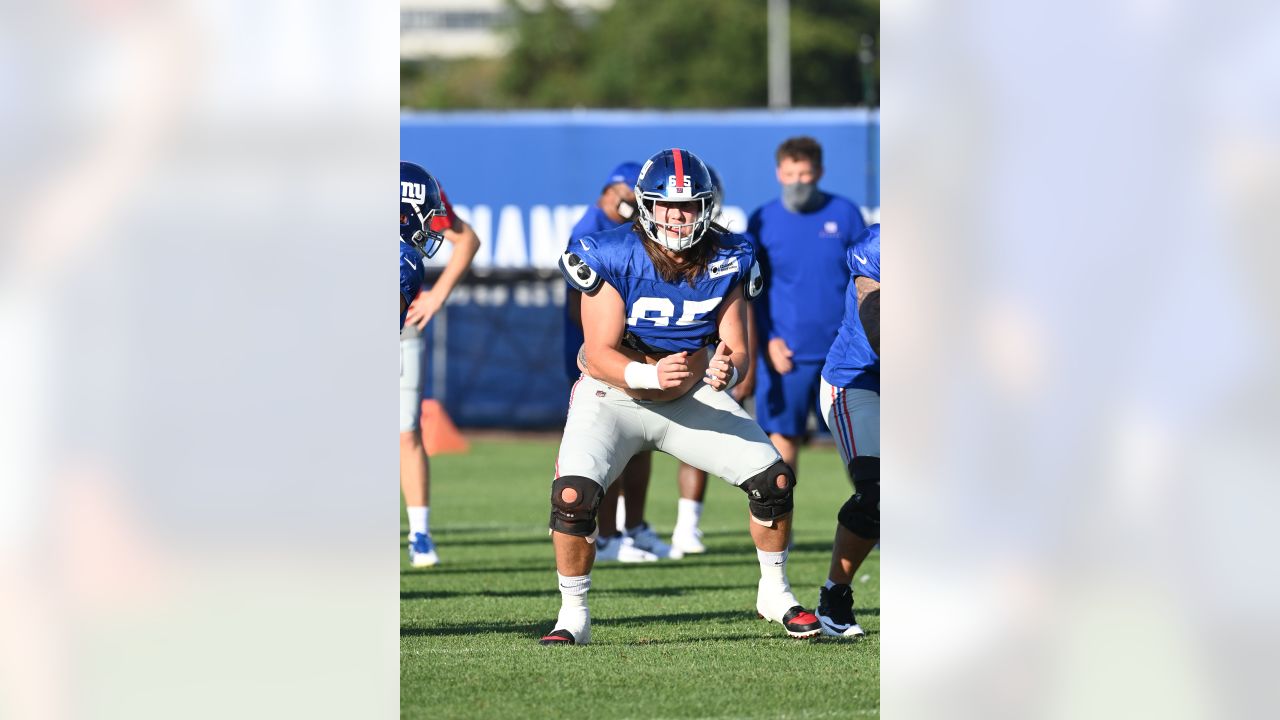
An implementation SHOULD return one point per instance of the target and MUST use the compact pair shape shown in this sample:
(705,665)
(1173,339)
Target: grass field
(673,639)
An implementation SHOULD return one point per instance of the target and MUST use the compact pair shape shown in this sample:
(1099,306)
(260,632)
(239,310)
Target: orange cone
(439,434)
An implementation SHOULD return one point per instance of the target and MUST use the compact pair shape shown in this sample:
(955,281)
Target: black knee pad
(767,501)
(860,514)
(577,517)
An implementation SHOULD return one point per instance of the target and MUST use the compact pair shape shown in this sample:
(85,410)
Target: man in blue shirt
(801,240)
(851,405)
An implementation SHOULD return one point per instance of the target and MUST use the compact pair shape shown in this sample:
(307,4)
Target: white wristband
(641,376)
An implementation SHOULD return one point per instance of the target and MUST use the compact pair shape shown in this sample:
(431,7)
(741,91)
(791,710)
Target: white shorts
(411,382)
(853,417)
(704,428)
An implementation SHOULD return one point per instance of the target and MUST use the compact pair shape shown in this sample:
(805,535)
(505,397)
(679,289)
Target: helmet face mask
(420,205)
(675,176)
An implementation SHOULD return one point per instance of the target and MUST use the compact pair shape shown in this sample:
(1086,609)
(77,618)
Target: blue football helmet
(675,176)
(420,203)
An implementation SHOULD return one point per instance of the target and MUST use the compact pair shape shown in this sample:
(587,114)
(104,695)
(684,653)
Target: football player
(426,220)
(851,404)
(656,295)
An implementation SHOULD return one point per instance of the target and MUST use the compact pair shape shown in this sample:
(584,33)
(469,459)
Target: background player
(418,305)
(851,405)
(801,239)
(656,294)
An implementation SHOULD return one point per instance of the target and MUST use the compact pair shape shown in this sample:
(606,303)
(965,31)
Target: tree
(671,54)
(550,47)
(657,53)
(826,36)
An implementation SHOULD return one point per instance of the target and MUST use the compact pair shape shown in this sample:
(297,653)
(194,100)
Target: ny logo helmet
(676,176)
(420,203)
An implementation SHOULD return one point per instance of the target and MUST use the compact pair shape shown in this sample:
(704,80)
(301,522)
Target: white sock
(573,588)
(418,520)
(773,569)
(688,513)
(572,601)
(828,585)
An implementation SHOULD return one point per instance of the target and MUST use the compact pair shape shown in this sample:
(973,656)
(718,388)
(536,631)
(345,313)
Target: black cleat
(835,612)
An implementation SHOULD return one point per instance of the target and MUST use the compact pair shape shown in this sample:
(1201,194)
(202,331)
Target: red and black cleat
(798,622)
(557,637)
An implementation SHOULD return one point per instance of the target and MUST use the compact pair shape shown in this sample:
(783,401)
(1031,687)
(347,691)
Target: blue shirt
(411,277)
(852,363)
(802,255)
(665,316)
(594,220)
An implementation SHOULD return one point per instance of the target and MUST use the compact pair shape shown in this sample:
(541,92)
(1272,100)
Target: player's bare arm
(465,245)
(747,384)
(731,353)
(603,325)
(869,309)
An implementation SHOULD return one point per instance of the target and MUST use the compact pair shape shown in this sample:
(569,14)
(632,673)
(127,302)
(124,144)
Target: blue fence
(495,356)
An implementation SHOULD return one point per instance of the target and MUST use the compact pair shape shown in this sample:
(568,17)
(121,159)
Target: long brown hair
(696,258)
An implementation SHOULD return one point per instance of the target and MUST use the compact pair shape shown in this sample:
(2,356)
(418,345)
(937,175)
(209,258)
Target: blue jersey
(803,258)
(411,277)
(594,220)
(852,363)
(665,316)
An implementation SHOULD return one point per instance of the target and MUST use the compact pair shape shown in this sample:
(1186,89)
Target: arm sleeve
(752,278)
(585,264)
(864,256)
(410,279)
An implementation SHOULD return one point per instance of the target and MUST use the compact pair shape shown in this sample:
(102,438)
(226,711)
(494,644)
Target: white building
(462,28)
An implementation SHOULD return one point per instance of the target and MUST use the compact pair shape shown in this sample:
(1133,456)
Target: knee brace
(577,516)
(767,501)
(860,514)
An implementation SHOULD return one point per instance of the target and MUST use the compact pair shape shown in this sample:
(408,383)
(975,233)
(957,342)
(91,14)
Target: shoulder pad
(578,274)
(755,282)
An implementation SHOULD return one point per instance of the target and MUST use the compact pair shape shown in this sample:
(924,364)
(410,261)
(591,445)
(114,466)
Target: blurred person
(71,137)
(656,295)
(851,406)
(626,497)
(801,239)
(426,220)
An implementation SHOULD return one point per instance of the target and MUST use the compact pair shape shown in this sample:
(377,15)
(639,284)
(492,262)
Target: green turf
(673,639)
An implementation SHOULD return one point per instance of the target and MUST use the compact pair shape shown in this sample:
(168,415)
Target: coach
(801,240)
